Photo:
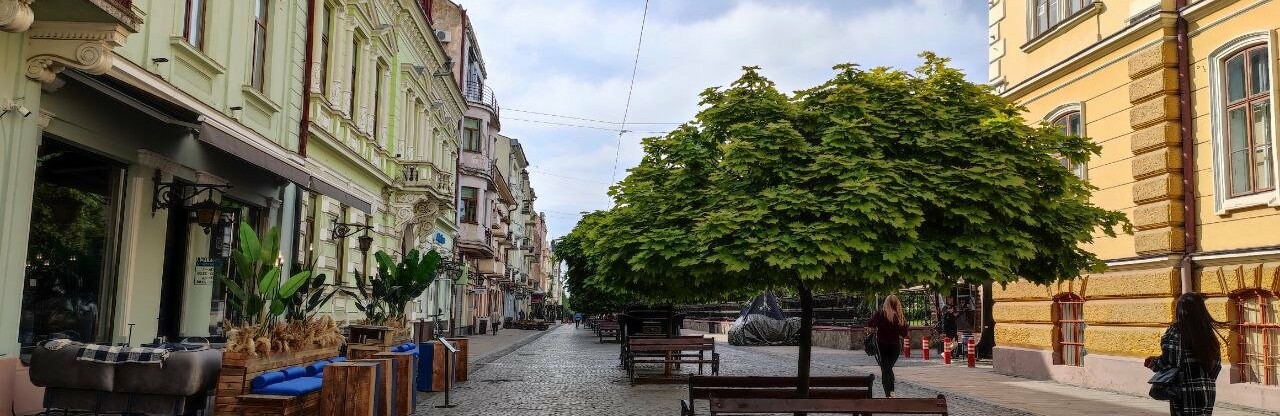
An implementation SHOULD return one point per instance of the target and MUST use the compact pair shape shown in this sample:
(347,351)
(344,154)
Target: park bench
(708,387)
(626,341)
(671,352)
(900,406)
(609,329)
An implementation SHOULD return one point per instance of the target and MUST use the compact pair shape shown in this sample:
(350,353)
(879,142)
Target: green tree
(588,296)
(872,181)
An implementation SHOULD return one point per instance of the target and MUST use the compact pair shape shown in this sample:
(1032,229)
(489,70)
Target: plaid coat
(1193,390)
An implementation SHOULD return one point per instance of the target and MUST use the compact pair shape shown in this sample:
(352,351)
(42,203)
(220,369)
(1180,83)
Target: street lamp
(343,230)
(176,194)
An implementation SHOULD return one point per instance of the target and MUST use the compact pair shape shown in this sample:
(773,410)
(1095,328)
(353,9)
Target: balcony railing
(477,164)
(426,175)
(478,93)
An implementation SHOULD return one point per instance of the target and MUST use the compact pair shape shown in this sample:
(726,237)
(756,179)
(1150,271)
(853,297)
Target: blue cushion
(338,359)
(294,372)
(317,367)
(413,351)
(266,379)
(397,348)
(295,387)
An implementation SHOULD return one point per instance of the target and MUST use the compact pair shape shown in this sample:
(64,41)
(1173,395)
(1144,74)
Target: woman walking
(1191,346)
(891,326)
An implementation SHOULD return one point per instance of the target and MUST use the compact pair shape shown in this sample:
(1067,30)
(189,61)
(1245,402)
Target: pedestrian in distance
(890,325)
(1191,348)
(577,319)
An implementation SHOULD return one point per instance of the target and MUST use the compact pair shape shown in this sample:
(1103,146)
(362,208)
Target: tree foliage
(585,295)
(875,180)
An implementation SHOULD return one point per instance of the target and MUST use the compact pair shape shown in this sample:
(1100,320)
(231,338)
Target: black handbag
(1162,384)
(870,345)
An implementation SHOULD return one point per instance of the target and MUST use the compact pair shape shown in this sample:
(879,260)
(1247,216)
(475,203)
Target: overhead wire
(635,65)
(581,118)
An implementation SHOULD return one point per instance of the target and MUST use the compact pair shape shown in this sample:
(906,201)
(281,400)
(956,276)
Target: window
(1047,14)
(1258,329)
(193,24)
(356,45)
(1068,330)
(377,101)
(325,22)
(470,204)
(260,11)
(471,135)
(1071,124)
(1247,103)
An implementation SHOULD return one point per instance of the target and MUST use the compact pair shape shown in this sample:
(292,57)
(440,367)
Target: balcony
(101,11)
(477,164)
(475,240)
(479,94)
(426,175)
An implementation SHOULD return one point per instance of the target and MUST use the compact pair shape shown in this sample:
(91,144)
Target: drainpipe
(1189,238)
(305,120)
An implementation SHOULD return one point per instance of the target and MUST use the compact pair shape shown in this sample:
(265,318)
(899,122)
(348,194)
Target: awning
(174,113)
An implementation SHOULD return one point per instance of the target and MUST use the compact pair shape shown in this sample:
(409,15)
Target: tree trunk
(806,340)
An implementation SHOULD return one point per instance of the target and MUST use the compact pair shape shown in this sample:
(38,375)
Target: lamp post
(342,230)
(172,194)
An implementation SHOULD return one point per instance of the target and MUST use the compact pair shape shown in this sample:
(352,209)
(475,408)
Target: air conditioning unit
(442,36)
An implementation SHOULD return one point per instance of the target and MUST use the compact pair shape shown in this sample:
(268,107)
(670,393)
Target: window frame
(261,41)
(1224,202)
(1063,112)
(470,206)
(1057,13)
(200,18)
(1264,327)
(326,32)
(468,138)
(1060,357)
(357,43)
(1246,104)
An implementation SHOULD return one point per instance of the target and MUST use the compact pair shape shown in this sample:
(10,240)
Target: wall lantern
(343,230)
(177,194)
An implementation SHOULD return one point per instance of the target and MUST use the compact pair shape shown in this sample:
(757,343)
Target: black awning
(331,191)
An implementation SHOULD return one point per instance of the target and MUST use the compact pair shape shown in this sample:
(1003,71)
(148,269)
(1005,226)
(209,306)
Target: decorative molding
(155,160)
(54,46)
(16,15)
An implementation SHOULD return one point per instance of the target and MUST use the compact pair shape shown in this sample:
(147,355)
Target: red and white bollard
(946,350)
(906,346)
(970,353)
(924,346)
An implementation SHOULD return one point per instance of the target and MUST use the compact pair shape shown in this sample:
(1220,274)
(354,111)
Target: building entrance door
(175,273)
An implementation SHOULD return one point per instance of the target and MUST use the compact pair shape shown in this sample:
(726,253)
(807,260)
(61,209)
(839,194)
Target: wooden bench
(235,394)
(671,352)
(622,349)
(900,406)
(609,329)
(708,387)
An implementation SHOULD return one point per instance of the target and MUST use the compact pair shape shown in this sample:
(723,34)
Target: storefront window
(71,266)
(225,239)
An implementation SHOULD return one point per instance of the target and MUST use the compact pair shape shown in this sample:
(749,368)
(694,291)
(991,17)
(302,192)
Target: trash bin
(426,366)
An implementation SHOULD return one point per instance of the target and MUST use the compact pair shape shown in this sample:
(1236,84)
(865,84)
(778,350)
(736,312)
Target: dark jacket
(887,332)
(1194,391)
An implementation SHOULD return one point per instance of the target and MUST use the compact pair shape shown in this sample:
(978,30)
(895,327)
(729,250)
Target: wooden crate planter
(463,360)
(378,335)
(361,351)
(402,396)
(349,389)
(234,393)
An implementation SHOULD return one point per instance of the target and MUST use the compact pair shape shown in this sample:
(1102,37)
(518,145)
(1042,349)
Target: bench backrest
(670,341)
(749,382)
(915,406)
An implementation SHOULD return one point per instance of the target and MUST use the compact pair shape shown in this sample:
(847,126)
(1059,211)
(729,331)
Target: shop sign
(206,267)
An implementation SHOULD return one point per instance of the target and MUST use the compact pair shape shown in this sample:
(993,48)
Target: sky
(575,58)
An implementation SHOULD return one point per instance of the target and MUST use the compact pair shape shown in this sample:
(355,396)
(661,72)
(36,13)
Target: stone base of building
(1120,374)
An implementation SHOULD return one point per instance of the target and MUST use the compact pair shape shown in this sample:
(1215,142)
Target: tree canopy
(872,181)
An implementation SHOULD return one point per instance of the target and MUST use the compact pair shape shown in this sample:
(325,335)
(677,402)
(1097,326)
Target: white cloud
(575,57)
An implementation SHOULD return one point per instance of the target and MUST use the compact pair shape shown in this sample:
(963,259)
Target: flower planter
(238,368)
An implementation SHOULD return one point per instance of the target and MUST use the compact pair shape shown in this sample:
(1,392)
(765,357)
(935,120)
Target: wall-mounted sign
(206,267)
(440,239)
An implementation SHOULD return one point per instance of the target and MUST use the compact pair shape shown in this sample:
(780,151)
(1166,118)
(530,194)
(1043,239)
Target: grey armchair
(179,387)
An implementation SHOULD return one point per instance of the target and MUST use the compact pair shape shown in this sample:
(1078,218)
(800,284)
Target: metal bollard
(970,353)
(924,345)
(946,350)
(906,346)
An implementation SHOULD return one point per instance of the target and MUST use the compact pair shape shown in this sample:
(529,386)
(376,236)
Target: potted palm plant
(384,298)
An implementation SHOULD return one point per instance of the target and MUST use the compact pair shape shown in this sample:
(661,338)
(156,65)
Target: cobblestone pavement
(566,372)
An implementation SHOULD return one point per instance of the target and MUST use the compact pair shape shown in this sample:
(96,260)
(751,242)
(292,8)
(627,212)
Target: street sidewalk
(984,384)
(484,348)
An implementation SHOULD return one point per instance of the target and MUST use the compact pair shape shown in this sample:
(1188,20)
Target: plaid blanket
(114,355)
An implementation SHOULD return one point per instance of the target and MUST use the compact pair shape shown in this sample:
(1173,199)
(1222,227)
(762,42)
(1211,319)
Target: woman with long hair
(891,325)
(1190,345)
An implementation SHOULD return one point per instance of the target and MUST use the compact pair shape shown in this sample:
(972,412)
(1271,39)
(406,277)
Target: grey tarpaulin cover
(762,323)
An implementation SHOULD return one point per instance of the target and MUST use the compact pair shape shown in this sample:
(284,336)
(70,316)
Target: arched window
(1243,126)
(1068,329)
(1071,123)
(1258,336)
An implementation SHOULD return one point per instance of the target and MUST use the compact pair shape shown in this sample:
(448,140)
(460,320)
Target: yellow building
(1178,94)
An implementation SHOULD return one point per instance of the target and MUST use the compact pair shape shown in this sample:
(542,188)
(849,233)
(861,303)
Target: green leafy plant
(259,296)
(313,294)
(383,299)
(876,180)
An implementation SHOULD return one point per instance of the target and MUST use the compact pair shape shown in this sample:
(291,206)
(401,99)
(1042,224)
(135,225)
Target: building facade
(1178,94)
(131,151)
